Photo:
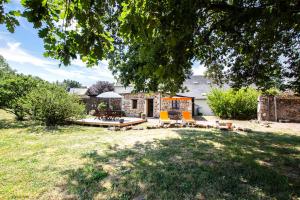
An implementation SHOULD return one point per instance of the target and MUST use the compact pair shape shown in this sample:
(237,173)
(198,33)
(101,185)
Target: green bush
(52,105)
(102,106)
(234,104)
(272,91)
(12,88)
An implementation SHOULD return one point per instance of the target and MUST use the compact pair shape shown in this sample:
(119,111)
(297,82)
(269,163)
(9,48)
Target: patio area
(128,121)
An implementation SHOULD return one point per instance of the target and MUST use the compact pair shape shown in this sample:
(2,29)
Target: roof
(198,86)
(78,91)
(123,90)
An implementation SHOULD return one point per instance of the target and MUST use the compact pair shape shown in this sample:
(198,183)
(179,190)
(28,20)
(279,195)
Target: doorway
(149,107)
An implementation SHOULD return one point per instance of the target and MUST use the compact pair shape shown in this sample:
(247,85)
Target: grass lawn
(74,162)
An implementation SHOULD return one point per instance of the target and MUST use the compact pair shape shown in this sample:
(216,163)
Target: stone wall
(166,105)
(91,103)
(141,103)
(158,104)
(277,108)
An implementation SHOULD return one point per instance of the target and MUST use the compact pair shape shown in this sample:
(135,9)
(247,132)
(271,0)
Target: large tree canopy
(152,44)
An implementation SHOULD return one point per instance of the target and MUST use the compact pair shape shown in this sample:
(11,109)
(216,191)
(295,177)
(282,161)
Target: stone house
(151,103)
(133,104)
(198,88)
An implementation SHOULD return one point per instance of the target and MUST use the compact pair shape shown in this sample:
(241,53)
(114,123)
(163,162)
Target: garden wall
(275,108)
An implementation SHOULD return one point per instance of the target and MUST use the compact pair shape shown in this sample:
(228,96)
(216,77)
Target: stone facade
(275,108)
(125,104)
(183,106)
(158,104)
(141,103)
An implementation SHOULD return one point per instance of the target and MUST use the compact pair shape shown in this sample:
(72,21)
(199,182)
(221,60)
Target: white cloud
(198,69)
(14,52)
(66,74)
(97,71)
(78,62)
(104,62)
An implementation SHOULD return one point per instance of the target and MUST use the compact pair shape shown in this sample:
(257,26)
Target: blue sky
(24,50)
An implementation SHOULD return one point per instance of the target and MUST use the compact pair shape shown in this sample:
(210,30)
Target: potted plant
(143,115)
(102,106)
(229,125)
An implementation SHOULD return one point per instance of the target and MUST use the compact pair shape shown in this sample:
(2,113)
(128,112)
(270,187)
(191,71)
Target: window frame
(175,105)
(132,103)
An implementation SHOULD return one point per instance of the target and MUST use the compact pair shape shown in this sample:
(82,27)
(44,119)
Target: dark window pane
(175,105)
(134,103)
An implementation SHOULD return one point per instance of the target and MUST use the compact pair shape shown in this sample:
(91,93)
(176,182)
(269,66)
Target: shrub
(272,91)
(12,88)
(102,106)
(234,104)
(52,105)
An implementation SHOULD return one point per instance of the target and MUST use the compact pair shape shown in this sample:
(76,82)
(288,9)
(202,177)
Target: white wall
(204,108)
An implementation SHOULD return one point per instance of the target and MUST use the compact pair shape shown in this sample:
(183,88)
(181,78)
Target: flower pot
(143,116)
(229,125)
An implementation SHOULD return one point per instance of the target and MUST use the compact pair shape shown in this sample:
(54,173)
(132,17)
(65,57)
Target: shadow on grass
(40,129)
(37,128)
(84,182)
(11,124)
(198,165)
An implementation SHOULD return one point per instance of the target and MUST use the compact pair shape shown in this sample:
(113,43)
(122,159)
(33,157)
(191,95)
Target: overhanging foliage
(152,44)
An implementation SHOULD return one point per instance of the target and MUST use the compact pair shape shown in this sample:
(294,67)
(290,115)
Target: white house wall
(204,107)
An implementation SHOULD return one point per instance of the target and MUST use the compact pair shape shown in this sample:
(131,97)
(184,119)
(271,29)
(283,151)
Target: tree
(240,42)
(51,105)
(152,44)
(100,87)
(5,68)
(67,84)
(12,88)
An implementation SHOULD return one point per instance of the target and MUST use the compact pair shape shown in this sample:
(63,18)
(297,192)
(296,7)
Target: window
(134,103)
(175,105)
